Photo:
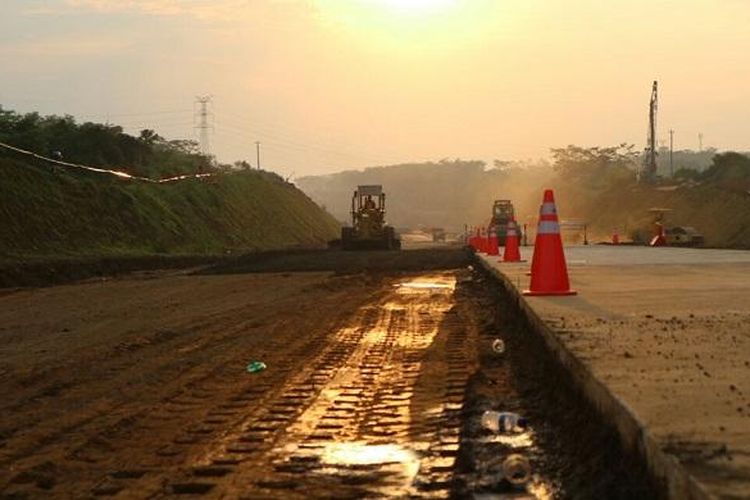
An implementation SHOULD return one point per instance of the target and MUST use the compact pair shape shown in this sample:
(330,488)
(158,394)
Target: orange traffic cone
(549,273)
(659,240)
(512,252)
(482,241)
(492,243)
(474,239)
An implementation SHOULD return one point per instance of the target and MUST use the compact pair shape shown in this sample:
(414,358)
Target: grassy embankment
(66,214)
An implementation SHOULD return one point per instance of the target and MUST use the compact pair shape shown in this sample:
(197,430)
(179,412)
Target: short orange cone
(482,247)
(492,243)
(659,240)
(474,240)
(471,240)
(549,273)
(512,253)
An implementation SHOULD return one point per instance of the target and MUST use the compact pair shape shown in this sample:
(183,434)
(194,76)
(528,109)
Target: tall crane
(648,174)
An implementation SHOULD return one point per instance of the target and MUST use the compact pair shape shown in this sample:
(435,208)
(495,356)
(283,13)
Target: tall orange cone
(492,243)
(512,252)
(549,273)
(474,240)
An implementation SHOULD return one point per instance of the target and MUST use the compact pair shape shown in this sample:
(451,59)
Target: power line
(237,120)
(147,113)
(292,144)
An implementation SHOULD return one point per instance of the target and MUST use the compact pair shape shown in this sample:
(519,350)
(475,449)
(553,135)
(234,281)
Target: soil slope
(61,213)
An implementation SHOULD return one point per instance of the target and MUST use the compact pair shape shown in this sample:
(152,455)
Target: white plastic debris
(517,469)
(498,346)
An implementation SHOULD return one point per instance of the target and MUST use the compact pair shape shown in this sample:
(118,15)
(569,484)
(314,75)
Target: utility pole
(649,161)
(700,142)
(257,153)
(203,123)
(671,152)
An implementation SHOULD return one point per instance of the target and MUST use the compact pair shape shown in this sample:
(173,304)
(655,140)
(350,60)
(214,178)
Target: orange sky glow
(327,85)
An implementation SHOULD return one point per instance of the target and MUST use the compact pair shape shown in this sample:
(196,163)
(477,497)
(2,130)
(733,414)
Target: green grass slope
(48,214)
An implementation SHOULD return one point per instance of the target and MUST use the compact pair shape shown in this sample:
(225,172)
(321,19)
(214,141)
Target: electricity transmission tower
(203,125)
(649,161)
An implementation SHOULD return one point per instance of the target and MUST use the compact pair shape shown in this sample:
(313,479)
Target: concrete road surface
(668,331)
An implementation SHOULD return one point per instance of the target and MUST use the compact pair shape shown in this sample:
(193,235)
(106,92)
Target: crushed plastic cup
(256,366)
(517,469)
(498,346)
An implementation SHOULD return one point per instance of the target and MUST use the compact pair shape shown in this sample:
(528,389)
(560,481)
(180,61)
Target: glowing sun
(417,5)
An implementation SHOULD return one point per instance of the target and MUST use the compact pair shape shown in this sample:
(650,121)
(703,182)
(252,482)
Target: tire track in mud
(376,412)
(174,397)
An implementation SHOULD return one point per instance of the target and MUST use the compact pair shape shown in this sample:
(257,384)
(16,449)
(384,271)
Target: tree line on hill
(102,145)
(451,193)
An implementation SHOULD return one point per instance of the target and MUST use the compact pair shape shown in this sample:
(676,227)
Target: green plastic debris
(256,366)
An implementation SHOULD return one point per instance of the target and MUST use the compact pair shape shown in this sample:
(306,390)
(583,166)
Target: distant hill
(446,194)
(595,185)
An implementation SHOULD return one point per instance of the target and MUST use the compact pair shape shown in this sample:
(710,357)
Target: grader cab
(369,230)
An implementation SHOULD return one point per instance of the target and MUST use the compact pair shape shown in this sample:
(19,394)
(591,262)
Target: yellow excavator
(369,230)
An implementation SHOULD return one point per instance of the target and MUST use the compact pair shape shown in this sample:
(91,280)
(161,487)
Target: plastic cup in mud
(503,421)
(498,346)
(517,469)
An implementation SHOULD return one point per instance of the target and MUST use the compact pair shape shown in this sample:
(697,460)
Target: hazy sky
(333,84)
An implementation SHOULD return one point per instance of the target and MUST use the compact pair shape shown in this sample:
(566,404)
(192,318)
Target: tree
(729,170)
(597,166)
(100,145)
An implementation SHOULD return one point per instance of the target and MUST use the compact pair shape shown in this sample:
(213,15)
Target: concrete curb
(634,435)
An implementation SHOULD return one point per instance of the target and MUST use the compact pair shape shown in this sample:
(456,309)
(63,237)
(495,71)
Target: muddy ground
(55,271)
(137,387)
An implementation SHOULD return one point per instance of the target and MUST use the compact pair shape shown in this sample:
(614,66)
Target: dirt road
(137,387)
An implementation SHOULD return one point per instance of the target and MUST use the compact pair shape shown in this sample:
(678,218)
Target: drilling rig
(648,173)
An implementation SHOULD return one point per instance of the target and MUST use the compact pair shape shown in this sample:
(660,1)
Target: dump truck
(369,230)
(502,212)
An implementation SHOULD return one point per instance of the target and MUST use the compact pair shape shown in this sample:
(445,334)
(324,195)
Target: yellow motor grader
(369,230)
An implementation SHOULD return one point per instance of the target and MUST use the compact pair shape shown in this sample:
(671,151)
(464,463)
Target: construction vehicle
(674,236)
(502,212)
(369,230)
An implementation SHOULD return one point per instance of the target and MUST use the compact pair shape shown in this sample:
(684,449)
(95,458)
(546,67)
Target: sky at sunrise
(327,85)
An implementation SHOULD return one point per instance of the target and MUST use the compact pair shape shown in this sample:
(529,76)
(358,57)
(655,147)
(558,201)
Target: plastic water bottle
(503,421)
(498,346)
(517,469)
(256,366)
